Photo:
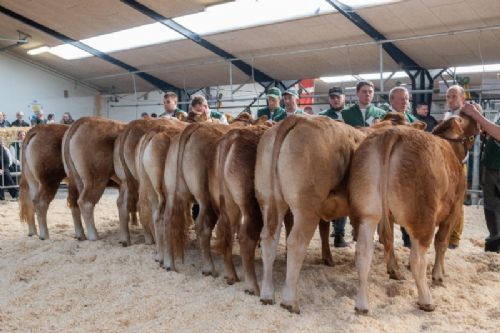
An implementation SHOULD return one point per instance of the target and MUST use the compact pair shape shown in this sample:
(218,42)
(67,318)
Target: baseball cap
(274,92)
(292,91)
(335,91)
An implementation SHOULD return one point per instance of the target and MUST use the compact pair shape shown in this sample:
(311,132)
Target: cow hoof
(206,273)
(328,262)
(250,292)
(80,238)
(362,312)
(123,243)
(31,234)
(438,282)
(290,308)
(231,280)
(427,307)
(395,275)
(266,301)
(41,238)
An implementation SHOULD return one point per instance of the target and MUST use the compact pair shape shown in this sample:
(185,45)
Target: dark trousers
(339,226)
(491,192)
(6,180)
(405,237)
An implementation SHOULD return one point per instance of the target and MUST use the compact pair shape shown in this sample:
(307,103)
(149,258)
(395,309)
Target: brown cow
(150,164)
(415,179)
(124,154)
(301,165)
(41,174)
(231,184)
(87,151)
(186,180)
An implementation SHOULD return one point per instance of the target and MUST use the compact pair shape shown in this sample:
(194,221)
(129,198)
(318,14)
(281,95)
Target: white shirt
(450,113)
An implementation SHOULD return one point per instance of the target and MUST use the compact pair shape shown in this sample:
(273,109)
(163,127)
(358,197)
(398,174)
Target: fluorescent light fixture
(225,17)
(69,52)
(39,50)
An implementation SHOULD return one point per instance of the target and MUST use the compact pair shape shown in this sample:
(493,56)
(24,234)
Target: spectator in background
(422,114)
(154,115)
(67,119)
(15,154)
(290,99)
(364,113)
(308,110)
(3,120)
(273,111)
(19,122)
(144,115)
(51,118)
(336,97)
(170,105)
(39,119)
(399,97)
(199,105)
(5,177)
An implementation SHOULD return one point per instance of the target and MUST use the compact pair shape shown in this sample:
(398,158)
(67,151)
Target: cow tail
(284,128)
(70,168)
(176,223)
(386,228)
(224,229)
(26,207)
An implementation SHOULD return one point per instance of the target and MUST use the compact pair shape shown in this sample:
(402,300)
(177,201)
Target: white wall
(22,83)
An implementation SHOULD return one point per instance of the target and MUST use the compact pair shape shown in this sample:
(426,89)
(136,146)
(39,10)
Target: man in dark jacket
(19,122)
(5,177)
(422,114)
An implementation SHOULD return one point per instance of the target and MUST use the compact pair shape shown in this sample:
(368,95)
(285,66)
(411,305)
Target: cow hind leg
(87,201)
(324,233)
(75,212)
(123,215)
(418,264)
(230,271)
(364,253)
(298,240)
(389,255)
(205,224)
(441,245)
(249,237)
(269,243)
(41,207)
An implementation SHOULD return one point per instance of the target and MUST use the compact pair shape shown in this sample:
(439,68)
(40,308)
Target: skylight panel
(249,13)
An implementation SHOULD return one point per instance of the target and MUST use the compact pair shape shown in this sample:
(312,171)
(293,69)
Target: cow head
(460,132)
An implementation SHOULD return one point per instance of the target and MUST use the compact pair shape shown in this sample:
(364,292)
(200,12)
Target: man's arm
(490,127)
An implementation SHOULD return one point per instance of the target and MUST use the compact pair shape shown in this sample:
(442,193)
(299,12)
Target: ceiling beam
(160,84)
(260,77)
(401,58)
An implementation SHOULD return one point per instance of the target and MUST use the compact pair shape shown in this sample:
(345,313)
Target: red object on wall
(306,87)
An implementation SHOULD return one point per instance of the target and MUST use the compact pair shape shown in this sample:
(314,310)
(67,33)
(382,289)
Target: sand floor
(62,285)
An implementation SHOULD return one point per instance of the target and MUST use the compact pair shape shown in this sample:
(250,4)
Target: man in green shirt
(273,110)
(491,177)
(336,98)
(290,99)
(399,97)
(170,105)
(363,113)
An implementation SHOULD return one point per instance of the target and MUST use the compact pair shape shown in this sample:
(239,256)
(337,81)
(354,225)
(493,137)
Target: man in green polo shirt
(363,113)
(273,110)
(491,176)
(336,98)
(290,99)
(170,104)
(399,97)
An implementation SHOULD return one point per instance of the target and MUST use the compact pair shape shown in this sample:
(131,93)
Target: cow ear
(419,125)
(449,127)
